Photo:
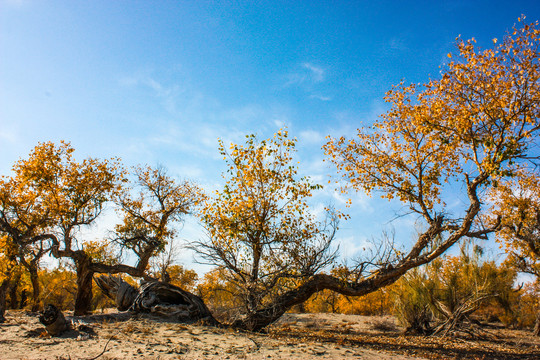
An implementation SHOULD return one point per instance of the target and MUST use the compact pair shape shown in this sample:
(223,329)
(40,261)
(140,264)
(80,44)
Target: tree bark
(157,298)
(86,268)
(117,289)
(151,298)
(261,318)
(24,299)
(13,287)
(83,299)
(36,290)
(537,324)
(3,290)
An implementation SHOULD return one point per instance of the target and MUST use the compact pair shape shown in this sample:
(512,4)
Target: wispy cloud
(317,73)
(310,78)
(351,247)
(188,130)
(320,97)
(311,137)
(308,74)
(170,95)
(397,43)
(281,123)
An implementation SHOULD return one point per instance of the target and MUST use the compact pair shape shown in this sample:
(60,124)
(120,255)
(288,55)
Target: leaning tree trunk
(83,299)
(157,298)
(263,317)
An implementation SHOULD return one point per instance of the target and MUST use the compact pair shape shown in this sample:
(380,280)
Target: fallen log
(117,289)
(54,320)
(157,298)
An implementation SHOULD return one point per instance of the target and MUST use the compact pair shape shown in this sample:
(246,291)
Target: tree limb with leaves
(517,201)
(469,130)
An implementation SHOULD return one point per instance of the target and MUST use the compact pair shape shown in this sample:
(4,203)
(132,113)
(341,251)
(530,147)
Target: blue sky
(159,81)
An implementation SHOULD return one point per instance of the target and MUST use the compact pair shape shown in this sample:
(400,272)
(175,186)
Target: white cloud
(280,124)
(310,78)
(311,137)
(307,75)
(317,73)
(350,247)
(193,121)
(196,139)
(187,171)
(320,97)
(359,199)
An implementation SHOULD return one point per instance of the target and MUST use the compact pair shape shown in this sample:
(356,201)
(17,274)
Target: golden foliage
(260,230)
(151,207)
(220,294)
(101,251)
(59,287)
(517,203)
(477,121)
(72,192)
(376,303)
(437,291)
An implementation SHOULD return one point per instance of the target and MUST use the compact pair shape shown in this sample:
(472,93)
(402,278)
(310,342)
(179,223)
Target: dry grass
(384,325)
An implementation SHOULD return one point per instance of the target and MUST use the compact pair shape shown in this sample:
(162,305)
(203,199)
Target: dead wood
(54,320)
(117,289)
(157,298)
(461,314)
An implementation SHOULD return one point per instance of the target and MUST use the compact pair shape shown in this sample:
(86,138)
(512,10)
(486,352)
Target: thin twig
(104,348)
(257,345)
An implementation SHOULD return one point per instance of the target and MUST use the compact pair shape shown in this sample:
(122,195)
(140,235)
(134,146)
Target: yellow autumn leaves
(262,201)
(516,202)
(480,120)
(261,234)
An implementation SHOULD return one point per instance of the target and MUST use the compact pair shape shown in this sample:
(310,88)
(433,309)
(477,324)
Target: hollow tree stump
(157,298)
(54,320)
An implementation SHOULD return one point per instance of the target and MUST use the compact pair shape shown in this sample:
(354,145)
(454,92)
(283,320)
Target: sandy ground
(143,337)
(296,336)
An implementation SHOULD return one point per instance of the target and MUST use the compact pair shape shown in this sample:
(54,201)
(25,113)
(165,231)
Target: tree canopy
(51,196)
(260,230)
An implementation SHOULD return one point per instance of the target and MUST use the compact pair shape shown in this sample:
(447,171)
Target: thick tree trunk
(36,290)
(3,290)
(117,289)
(420,254)
(261,318)
(13,287)
(83,299)
(24,299)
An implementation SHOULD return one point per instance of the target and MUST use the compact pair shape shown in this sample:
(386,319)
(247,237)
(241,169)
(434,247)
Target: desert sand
(113,335)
